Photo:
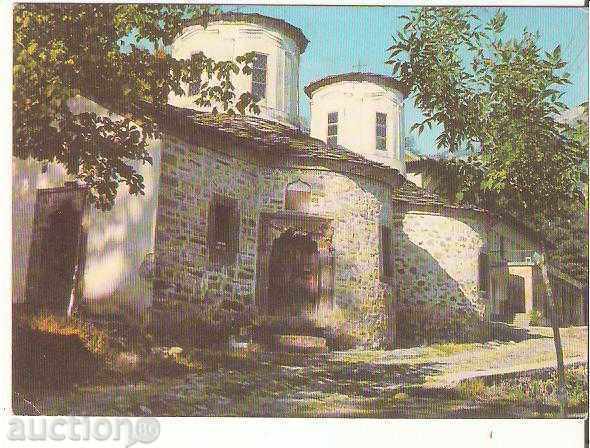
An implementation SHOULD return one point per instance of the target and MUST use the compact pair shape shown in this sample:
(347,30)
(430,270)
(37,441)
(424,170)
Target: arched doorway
(294,274)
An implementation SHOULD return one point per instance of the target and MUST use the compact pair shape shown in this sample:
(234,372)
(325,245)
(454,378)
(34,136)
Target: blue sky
(341,37)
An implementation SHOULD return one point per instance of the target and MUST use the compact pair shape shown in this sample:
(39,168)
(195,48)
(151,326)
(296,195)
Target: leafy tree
(500,100)
(113,53)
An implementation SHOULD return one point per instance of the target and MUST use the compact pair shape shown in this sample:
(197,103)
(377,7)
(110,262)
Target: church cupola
(278,47)
(362,112)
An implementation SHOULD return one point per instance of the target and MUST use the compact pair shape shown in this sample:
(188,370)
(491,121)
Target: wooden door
(293,275)
(56,248)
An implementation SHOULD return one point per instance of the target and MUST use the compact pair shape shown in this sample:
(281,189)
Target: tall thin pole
(561,391)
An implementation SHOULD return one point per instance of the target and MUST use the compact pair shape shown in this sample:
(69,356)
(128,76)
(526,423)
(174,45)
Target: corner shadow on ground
(501,331)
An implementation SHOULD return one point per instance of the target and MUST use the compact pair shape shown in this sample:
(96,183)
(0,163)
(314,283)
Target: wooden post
(561,391)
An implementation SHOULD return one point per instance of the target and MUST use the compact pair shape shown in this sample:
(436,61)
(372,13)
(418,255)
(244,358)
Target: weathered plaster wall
(224,41)
(118,240)
(357,104)
(26,179)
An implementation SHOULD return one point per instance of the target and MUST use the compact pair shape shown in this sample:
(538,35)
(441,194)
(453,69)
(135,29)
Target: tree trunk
(552,302)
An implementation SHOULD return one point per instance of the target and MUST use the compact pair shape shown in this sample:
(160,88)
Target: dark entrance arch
(59,248)
(293,274)
(295,264)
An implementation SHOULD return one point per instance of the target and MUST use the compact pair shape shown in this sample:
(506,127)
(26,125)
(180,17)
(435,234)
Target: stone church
(321,223)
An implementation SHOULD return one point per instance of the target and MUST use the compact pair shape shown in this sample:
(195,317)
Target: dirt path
(400,383)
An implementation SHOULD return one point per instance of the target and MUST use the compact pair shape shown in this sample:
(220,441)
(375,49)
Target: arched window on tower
(298,196)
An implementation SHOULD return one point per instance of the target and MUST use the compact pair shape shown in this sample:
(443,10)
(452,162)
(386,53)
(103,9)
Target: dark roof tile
(268,135)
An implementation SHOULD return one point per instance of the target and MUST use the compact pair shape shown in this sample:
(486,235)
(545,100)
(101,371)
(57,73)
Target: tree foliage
(114,53)
(498,99)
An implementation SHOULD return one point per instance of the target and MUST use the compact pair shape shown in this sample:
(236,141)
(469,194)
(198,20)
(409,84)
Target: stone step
(300,343)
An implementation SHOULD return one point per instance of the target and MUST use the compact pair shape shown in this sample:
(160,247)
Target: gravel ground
(415,382)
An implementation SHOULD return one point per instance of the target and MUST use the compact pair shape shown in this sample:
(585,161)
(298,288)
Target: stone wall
(357,206)
(437,271)
(189,178)
(436,260)
(435,253)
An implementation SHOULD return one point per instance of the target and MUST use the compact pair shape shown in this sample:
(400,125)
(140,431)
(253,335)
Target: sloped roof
(416,166)
(267,138)
(409,192)
(382,80)
(278,141)
(276,24)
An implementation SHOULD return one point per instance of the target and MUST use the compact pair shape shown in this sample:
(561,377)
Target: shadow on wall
(431,305)
(118,240)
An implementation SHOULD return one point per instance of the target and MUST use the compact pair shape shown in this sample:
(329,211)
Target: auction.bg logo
(131,431)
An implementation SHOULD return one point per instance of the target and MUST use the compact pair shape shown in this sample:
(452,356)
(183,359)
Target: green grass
(472,389)
(539,392)
(361,356)
(450,348)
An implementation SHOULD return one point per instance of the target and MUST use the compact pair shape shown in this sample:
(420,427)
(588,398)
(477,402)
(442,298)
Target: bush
(56,352)
(544,389)
(472,389)
(536,318)
(93,338)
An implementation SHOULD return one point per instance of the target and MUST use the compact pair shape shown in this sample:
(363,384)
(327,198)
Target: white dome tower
(362,112)
(279,45)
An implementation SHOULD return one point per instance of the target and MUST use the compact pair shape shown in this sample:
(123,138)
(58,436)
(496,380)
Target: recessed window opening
(381,131)
(332,139)
(259,76)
